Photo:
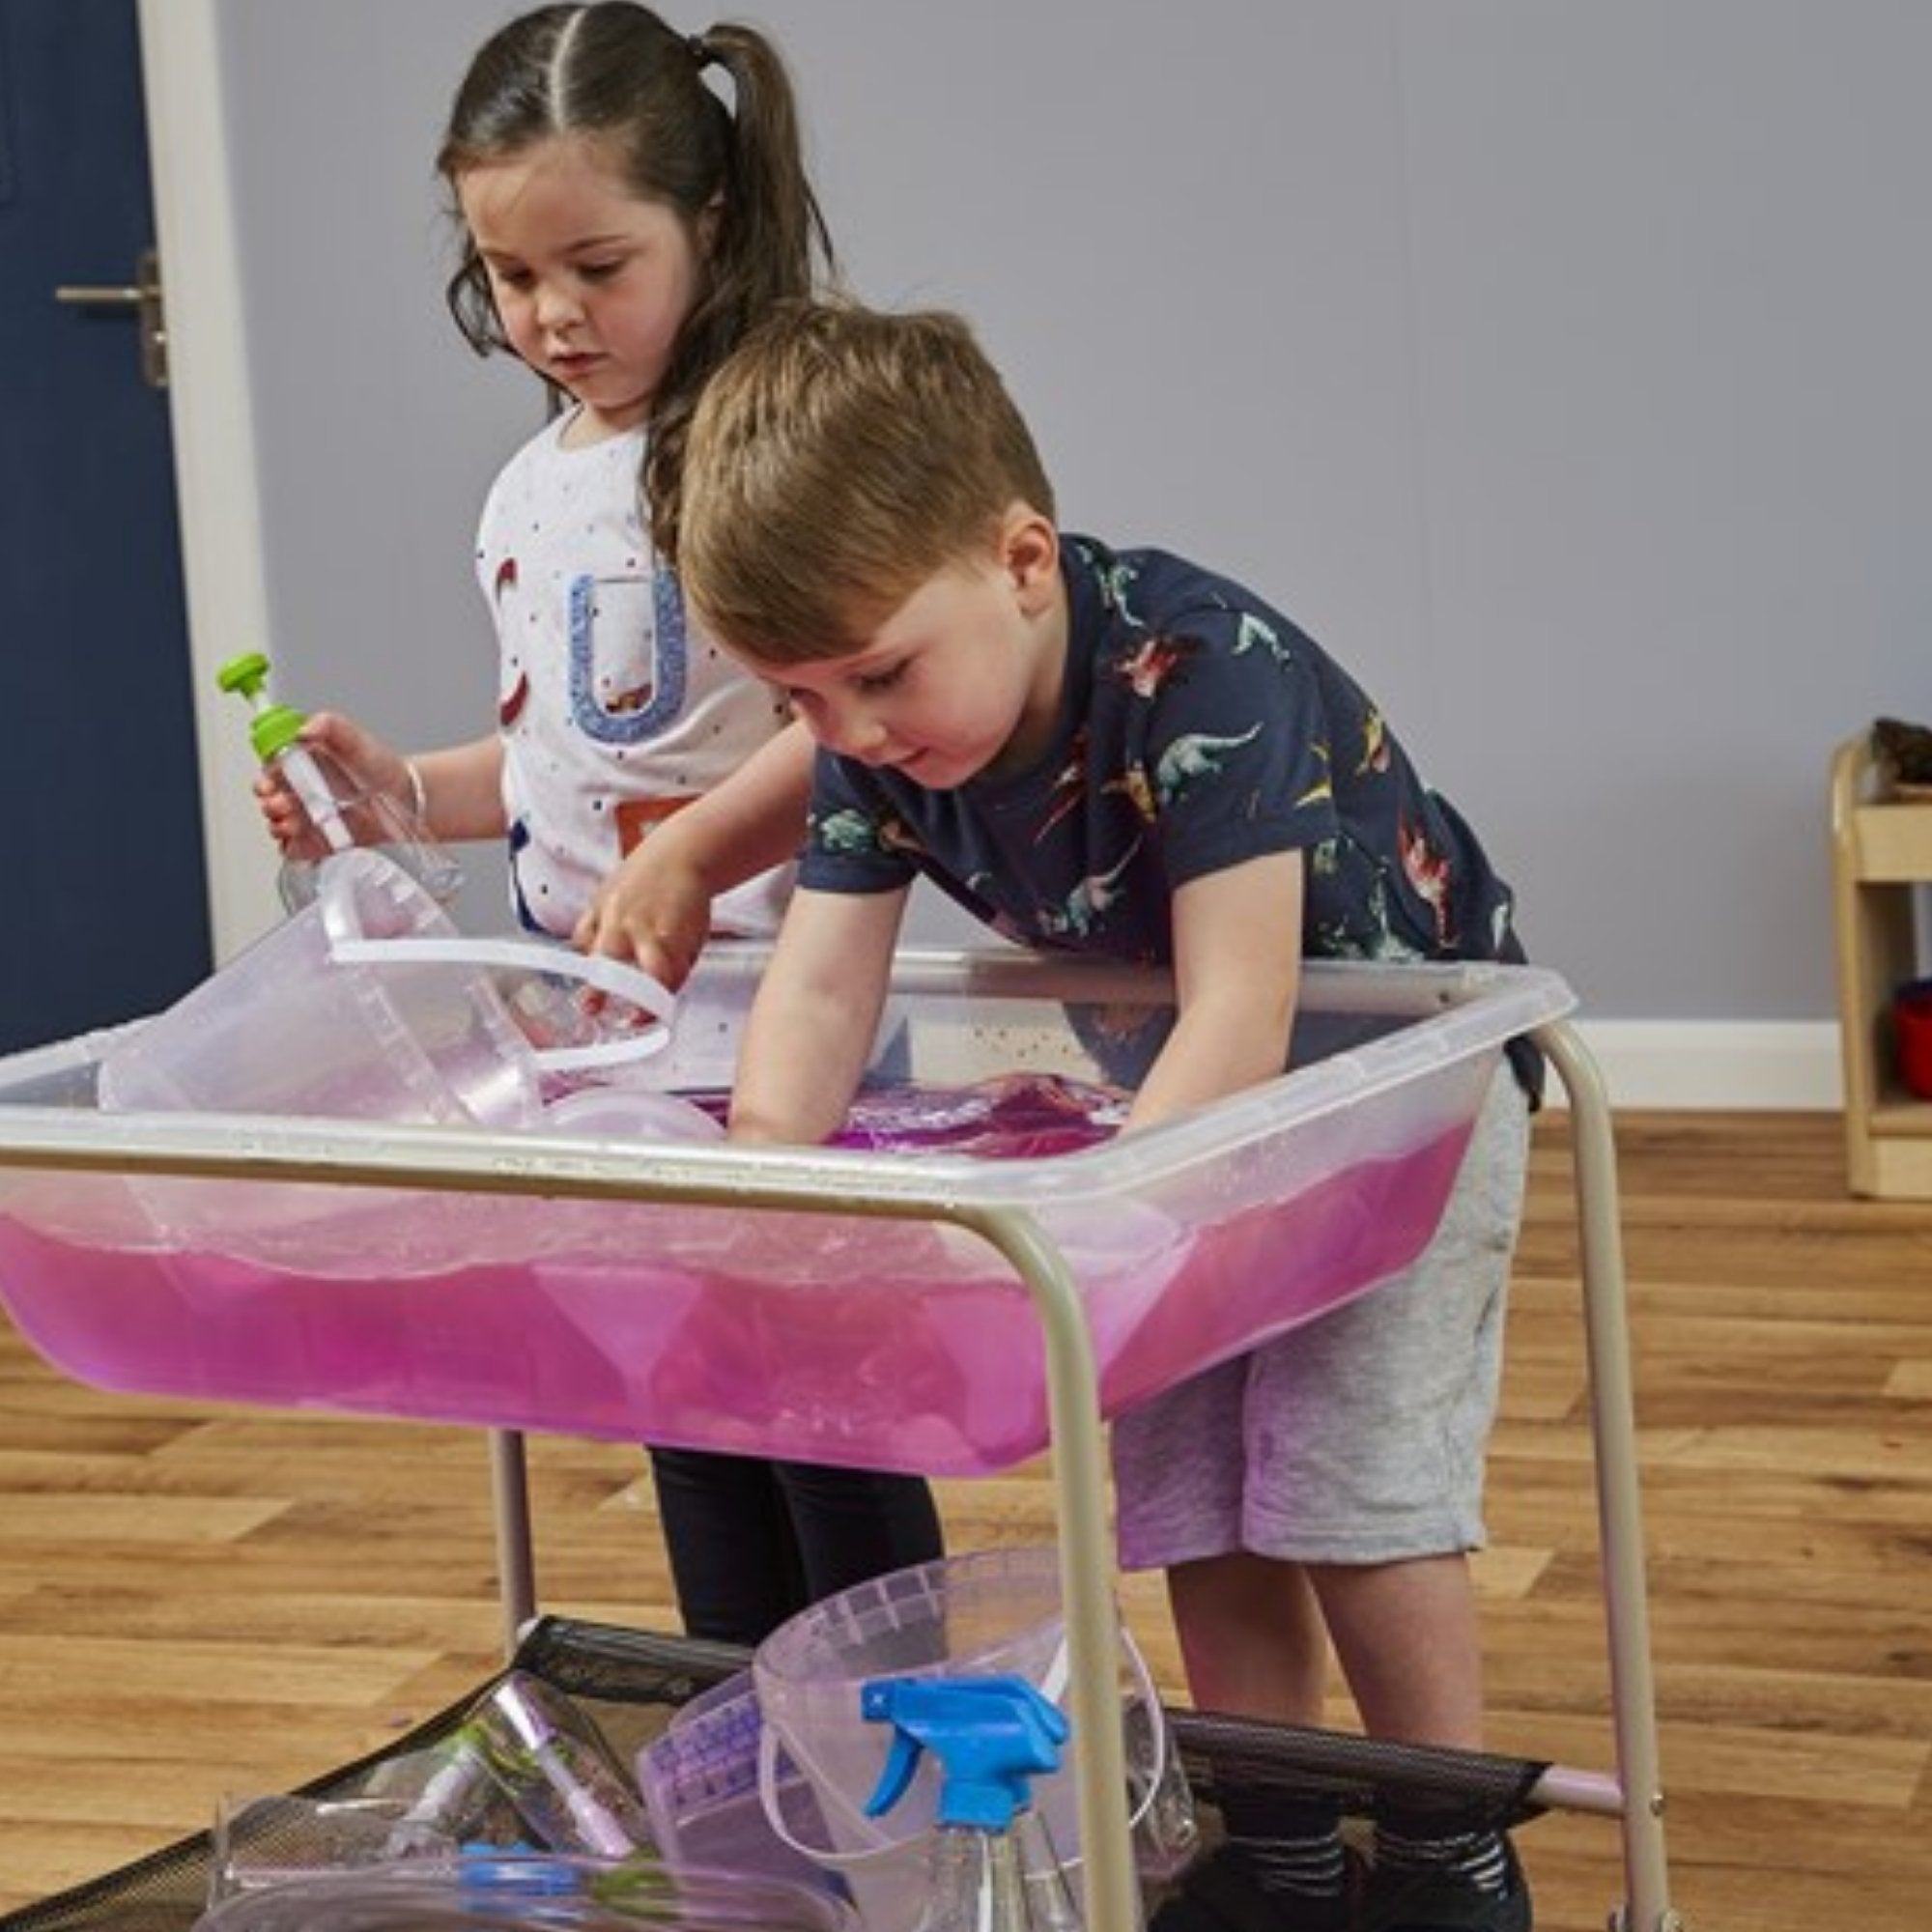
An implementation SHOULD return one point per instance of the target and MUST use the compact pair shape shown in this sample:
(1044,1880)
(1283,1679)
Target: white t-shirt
(614,711)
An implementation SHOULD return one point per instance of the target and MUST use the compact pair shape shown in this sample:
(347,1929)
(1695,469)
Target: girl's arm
(655,908)
(461,786)
(463,789)
(816,1017)
(1238,973)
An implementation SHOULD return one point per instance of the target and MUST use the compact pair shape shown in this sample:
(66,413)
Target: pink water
(862,1341)
(1014,1117)
(1009,1117)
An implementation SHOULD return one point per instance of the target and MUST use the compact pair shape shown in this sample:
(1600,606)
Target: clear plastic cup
(268,1841)
(507,1893)
(553,1765)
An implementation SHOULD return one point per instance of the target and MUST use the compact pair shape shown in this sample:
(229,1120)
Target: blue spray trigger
(992,1735)
(518,1870)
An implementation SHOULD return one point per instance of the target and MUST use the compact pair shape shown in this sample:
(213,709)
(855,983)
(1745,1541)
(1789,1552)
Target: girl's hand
(366,760)
(655,908)
(654,912)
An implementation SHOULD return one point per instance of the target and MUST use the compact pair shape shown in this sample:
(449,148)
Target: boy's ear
(1030,548)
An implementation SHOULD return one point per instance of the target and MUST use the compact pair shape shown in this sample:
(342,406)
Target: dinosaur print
(893,833)
(846,832)
(1153,662)
(1251,631)
(1322,789)
(1088,902)
(1374,743)
(1428,874)
(1372,934)
(1196,756)
(855,833)
(1115,579)
(1135,786)
(1068,787)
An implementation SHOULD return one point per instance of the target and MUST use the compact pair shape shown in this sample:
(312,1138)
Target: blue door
(103,902)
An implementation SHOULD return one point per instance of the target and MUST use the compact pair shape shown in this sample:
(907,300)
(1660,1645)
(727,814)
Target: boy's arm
(1237,972)
(655,908)
(816,1013)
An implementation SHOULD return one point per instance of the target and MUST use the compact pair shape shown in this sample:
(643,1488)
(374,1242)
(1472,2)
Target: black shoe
(1221,1893)
(1427,1901)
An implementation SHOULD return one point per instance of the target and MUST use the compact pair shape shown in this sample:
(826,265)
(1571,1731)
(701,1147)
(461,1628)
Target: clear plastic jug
(369,1005)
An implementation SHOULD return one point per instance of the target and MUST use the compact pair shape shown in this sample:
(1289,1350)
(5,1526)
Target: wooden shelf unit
(1881,851)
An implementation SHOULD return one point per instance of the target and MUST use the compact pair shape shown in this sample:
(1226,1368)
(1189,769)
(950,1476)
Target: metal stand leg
(516,1568)
(1614,1425)
(1087,1571)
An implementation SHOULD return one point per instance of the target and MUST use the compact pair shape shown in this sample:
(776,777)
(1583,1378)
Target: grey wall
(1561,367)
(376,430)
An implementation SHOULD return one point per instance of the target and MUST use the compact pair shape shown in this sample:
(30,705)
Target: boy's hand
(812,1024)
(1237,974)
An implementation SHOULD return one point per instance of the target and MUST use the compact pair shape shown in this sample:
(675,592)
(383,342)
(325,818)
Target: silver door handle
(143,296)
(84,295)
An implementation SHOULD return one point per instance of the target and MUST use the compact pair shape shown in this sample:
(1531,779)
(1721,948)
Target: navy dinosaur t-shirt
(1197,728)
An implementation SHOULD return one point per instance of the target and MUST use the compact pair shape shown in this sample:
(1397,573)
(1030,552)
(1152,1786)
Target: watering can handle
(769,1765)
(597,971)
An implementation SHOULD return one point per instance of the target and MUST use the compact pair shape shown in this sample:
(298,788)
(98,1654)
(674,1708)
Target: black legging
(752,1542)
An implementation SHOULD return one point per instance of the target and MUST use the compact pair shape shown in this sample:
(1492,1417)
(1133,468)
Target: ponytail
(771,244)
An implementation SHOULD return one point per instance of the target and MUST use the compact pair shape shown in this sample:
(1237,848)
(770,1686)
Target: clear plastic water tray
(839,1306)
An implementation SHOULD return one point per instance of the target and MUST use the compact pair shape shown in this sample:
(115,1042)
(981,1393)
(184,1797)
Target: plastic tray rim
(1464,1009)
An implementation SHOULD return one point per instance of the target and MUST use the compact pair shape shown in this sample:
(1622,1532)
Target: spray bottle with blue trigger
(993,1865)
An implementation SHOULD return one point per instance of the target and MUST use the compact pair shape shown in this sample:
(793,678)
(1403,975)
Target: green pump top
(274,726)
(992,1735)
(341,812)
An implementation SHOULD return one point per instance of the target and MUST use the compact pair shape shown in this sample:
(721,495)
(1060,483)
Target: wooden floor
(193,1603)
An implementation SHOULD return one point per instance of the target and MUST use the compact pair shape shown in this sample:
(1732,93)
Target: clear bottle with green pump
(343,811)
(994,1869)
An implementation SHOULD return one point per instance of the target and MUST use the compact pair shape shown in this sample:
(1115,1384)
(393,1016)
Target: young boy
(1119,752)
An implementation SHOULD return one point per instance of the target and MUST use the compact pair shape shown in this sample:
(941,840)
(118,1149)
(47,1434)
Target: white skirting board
(1715,1064)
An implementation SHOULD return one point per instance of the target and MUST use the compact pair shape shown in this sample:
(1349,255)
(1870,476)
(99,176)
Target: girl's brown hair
(618,73)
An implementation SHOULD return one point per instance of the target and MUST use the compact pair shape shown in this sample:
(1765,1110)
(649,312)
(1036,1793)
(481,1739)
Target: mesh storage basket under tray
(631,1682)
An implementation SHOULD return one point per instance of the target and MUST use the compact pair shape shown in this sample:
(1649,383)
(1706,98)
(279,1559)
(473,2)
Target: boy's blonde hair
(839,459)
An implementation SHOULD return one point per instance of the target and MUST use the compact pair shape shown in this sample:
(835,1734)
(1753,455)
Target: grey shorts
(1360,1437)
